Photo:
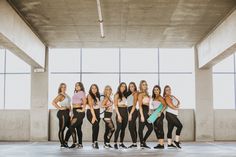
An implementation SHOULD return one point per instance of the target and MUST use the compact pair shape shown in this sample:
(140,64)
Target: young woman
(132,98)
(171,116)
(144,101)
(78,114)
(158,100)
(107,104)
(63,103)
(120,103)
(93,113)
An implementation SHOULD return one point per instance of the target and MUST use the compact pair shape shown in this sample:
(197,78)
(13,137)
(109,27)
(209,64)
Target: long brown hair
(94,95)
(59,88)
(164,92)
(81,86)
(153,93)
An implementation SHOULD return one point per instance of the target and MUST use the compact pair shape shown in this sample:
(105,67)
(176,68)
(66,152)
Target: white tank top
(66,102)
(170,110)
(123,102)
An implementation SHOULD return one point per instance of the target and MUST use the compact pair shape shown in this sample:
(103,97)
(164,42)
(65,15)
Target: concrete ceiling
(127,23)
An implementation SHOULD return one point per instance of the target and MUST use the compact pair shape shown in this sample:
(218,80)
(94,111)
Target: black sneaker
(122,146)
(171,146)
(115,146)
(73,146)
(177,144)
(80,146)
(95,145)
(107,145)
(64,146)
(133,146)
(159,147)
(144,145)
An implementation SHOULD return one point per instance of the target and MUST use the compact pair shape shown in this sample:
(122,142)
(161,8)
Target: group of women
(129,104)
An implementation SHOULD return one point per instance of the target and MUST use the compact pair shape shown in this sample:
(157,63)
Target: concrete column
(39,122)
(204,112)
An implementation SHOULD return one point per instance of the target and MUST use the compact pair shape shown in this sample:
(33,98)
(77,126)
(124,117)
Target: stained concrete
(209,149)
(127,23)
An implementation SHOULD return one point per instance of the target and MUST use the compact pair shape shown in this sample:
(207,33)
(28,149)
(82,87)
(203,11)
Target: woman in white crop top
(171,116)
(63,103)
(144,103)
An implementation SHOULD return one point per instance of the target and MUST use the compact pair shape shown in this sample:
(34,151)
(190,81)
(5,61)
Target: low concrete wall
(186,117)
(14,125)
(225,125)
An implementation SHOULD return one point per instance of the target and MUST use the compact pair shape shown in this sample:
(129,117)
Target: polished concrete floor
(51,149)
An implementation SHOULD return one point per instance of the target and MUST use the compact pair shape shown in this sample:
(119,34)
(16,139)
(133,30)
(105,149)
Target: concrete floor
(51,149)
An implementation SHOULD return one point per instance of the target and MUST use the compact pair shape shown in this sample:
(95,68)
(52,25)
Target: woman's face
(63,88)
(122,88)
(94,89)
(156,91)
(131,88)
(77,87)
(168,91)
(144,86)
(108,91)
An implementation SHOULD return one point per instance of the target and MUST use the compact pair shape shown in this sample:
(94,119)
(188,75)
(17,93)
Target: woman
(78,114)
(107,104)
(120,103)
(171,116)
(144,101)
(133,112)
(158,100)
(93,113)
(63,103)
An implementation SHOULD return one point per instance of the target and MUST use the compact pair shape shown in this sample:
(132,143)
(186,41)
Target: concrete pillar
(204,112)
(39,122)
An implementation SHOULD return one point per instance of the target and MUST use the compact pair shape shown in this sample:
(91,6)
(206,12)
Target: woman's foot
(115,146)
(122,146)
(159,147)
(144,145)
(171,146)
(177,144)
(73,146)
(95,145)
(64,145)
(107,145)
(80,146)
(133,146)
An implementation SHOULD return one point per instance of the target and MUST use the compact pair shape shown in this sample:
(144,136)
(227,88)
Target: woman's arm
(140,101)
(134,103)
(163,102)
(116,97)
(90,103)
(104,102)
(170,103)
(56,100)
(84,101)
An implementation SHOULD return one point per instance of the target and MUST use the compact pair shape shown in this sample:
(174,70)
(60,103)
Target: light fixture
(100,20)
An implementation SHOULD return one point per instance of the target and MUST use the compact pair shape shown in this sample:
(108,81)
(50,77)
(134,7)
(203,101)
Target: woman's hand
(130,117)
(119,119)
(94,119)
(142,119)
(62,108)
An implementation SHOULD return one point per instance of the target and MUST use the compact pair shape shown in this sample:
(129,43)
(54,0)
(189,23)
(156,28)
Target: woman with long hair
(132,98)
(77,116)
(172,112)
(120,103)
(107,104)
(158,100)
(63,103)
(93,113)
(144,103)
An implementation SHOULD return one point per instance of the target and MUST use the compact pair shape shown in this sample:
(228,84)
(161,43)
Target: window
(1,91)
(2,60)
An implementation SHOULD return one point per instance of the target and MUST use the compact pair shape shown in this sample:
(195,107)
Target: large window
(14,82)
(109,66)
(224,84)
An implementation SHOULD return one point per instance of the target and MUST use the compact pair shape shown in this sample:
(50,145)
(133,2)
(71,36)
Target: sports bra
(146,100)
(170,110)
(130,100)
(109,104)
(66,102)
(123,102)
(155,104)
(78,98)
(96,105)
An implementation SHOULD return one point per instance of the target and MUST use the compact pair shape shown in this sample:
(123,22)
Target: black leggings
(158,127)
(109,127)
(143,124)
(64,121)
(132,125)
(173,121)
(76,123)
(95,128)
(120,127)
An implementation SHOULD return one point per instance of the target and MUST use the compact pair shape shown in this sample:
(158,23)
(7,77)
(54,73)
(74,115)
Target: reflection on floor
(46,149)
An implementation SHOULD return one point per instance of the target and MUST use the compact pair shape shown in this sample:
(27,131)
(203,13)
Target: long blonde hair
(104,92)
(140,87)
(59,88)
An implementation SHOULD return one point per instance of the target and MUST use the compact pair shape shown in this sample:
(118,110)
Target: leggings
(158,127)
(120,127)
(132,125)
(76,123)
(64,121)
(109,127)
(143,124)
(173,121)
(95,128)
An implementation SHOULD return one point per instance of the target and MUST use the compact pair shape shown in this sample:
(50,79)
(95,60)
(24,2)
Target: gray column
(39,121)
(204,112)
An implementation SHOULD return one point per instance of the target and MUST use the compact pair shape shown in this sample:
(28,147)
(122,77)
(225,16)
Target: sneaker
(64,146)
(159,147)
(73,146)
(115,146)
(122,146)
(80,146)
(95,145)
(144,145)
(171,146)
(107,145)
(133,146)
(177,144)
